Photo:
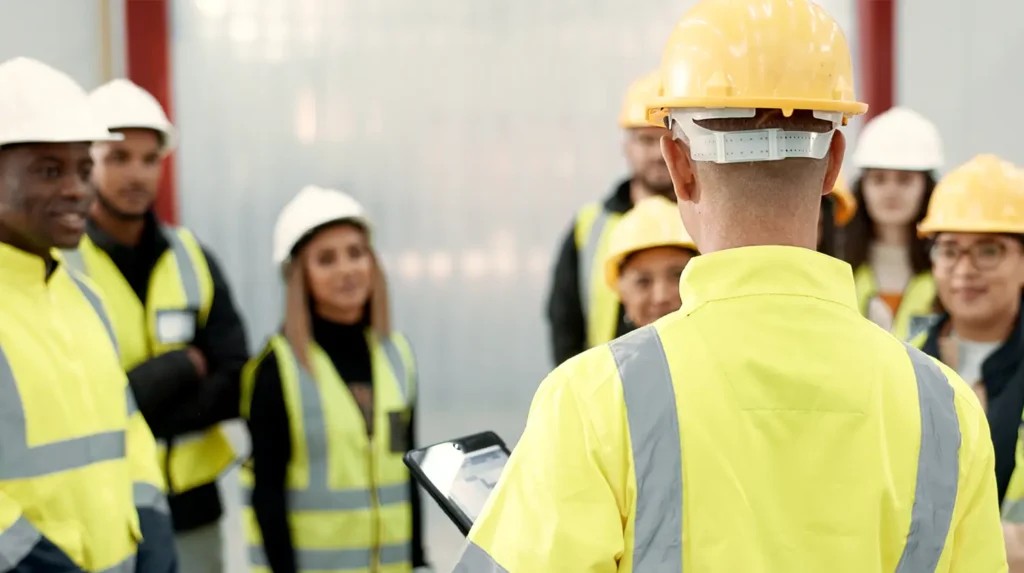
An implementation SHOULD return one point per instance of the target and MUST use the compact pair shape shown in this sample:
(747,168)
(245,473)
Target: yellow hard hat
(634,107)
(653,222)
(844,201)
(984,195)
(728,55)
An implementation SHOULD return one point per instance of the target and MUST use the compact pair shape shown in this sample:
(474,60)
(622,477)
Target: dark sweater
(271,441)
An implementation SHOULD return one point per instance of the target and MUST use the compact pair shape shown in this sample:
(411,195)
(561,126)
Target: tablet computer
(460,474)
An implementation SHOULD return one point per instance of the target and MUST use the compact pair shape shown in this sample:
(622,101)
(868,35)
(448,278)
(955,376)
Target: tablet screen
(466,479)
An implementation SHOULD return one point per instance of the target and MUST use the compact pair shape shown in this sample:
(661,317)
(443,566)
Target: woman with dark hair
(976,218)
(329,404)
(898,154)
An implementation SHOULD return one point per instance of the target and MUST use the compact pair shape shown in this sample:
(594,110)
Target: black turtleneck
(271,439)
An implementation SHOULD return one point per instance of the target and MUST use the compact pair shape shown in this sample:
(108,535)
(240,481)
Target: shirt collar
(24,267)
(766,270)
(152,236)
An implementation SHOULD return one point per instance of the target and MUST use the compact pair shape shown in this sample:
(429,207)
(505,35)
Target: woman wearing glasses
(976,221)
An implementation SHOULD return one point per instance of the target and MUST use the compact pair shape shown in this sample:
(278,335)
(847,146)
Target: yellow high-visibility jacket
(917,302)
(348,493)
(67,428)
(178,302)
(766,426)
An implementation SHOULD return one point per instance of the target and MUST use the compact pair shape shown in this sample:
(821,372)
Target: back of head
(753,92)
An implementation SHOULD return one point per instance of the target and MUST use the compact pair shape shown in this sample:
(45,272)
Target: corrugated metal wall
(471,130)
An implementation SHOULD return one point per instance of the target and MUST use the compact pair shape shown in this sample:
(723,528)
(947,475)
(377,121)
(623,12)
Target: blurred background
(471,130)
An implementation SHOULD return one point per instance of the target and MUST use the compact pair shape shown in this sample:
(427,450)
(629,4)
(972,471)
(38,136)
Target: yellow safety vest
(348,495)
(702,443)
(918,298)
(64,413)
(1013,501)
(594,225)
(177,305)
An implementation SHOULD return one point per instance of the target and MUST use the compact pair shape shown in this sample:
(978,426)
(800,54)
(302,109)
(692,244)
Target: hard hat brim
(613,264)
(926,230)
(659,107)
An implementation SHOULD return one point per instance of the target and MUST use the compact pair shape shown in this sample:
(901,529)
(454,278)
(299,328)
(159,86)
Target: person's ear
(680,166)
(836,152)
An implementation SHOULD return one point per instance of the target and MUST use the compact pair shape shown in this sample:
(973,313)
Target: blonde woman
(329,404)
(648,251)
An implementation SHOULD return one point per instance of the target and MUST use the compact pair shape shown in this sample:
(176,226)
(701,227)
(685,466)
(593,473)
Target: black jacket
(171,396)
(272,445)
(565,310)
(1002,374)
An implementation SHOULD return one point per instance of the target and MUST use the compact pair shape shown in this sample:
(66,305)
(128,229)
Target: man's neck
(638,191)
(127,232)
(735,232)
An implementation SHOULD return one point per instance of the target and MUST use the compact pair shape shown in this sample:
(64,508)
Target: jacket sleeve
(565,309)
(271,452)
(223,343)
(977,535)
(156,553)
(159,383)
(554,508)
(23,549)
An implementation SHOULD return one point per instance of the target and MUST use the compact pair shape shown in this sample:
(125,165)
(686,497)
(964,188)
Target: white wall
(65,34)
(960,63)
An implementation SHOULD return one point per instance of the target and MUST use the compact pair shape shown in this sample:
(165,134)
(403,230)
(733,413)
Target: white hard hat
(39,104)
(901,139)
(124,105)
(313,207)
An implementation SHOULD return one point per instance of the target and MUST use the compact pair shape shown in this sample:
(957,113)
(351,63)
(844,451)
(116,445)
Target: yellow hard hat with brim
(984,195)
(653,222)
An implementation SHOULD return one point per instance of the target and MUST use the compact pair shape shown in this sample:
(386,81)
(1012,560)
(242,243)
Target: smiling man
(181,338)
(79,486)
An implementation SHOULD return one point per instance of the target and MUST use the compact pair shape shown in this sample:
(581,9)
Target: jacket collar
(766,270)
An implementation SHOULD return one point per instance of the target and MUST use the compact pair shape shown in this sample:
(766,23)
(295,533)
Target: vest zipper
(375,511)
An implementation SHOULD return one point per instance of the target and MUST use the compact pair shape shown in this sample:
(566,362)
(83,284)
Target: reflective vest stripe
(16,543)
(96,304)
(319,494)
(148,496)
(18,460)
(652,414)
(397,365)
(126,566)
(186,269)
(653,418)
(339,559)
(587,261)
(938,467)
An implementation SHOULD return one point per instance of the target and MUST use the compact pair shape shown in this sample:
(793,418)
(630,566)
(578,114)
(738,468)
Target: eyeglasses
(984,256)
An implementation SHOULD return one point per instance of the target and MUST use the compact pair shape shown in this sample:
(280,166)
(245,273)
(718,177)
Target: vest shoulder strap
(92,295)
(403,363)
(585,219)
(193,267)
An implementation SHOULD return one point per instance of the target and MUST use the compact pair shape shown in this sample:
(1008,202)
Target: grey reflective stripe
(16,542)
(97,307)
(653,417)
(587,262)
(397,365)
(126,566)
(338,559)
(476,560)
(1013,511)
(186,269)
(147,496)
(75,261)
(340,499)
(938,467)
(133,406)
(19,461)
